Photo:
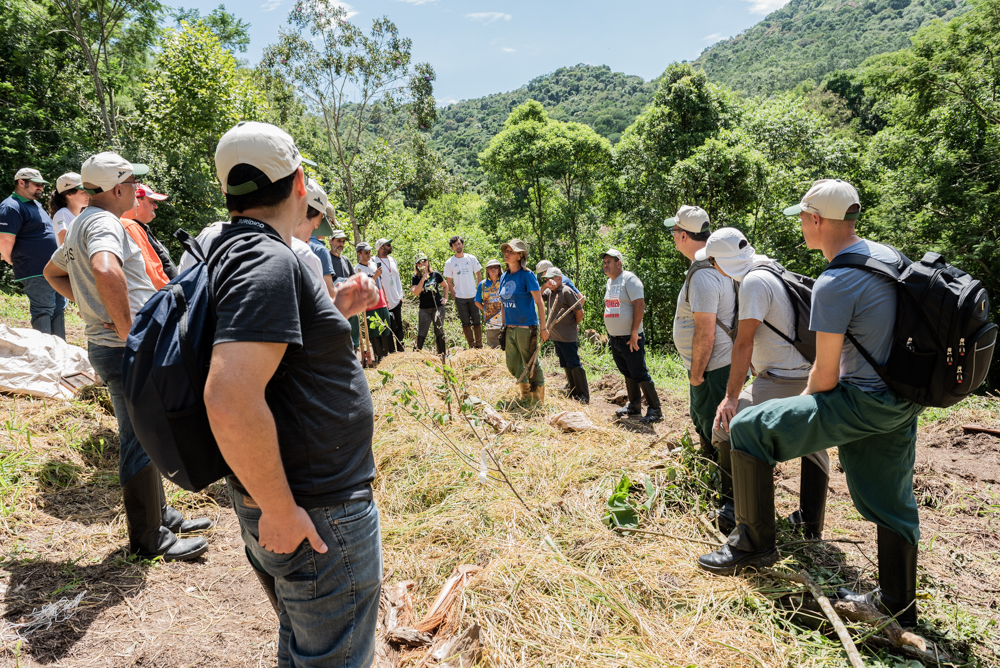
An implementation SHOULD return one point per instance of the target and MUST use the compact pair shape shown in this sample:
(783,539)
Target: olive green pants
(764,388)
(519,355)
(705,399)
(876,437)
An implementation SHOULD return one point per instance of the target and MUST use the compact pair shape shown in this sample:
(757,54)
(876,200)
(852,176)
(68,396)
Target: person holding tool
(563,301)
(518,289)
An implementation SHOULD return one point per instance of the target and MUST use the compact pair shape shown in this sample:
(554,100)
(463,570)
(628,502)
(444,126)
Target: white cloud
(417,2)
(507,49)
(441,102)
(714,37)
(765,6)
(488,17)
(271,5)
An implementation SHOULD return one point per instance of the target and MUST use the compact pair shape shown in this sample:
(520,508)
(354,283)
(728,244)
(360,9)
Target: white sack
(38,364)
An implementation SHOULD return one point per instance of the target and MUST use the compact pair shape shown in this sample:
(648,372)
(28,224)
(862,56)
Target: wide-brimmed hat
(494,263)
(338,234)
(515,245)
(828,198)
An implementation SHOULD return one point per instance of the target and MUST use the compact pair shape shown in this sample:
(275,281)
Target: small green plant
(621,511)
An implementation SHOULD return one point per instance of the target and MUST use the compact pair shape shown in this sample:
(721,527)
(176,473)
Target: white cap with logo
(316,196)
(690,219)
(828,198)
(29,174)
(69,181)
(104,171)
(731,252)
(262,145)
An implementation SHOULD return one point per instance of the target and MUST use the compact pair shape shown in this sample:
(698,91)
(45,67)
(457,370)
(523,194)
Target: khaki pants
(764,388)
(492,338)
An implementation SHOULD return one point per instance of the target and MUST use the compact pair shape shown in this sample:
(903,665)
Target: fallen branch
(862,612)
(442,604)
(805,579)
(978,429)
(493,419)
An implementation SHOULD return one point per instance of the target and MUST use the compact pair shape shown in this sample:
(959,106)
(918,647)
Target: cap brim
(308,162)
(324,229)
(793,210)
(701,254)
(156,196)
(670,222)
(39,181)
(139,169)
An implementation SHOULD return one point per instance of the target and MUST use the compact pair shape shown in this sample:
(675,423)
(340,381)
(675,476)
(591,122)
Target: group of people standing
(299,442)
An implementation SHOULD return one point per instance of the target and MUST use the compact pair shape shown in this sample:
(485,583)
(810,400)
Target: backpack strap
(869,264)
(778,270)
(697,266)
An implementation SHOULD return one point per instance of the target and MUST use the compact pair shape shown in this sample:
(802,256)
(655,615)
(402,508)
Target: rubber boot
(266,582)
(581,388)
(420,342)
(752,543)
(477,331)
(469,337)
(726,514)
(653,412)
(897,579)
(147,536)
(440,344)
(174,521)
(569,388)
(634,405)
(811,515)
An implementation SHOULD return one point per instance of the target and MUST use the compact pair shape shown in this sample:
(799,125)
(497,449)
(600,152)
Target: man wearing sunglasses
(101,269)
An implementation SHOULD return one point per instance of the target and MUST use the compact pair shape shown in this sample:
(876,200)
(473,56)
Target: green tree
(354,81)
(233,33)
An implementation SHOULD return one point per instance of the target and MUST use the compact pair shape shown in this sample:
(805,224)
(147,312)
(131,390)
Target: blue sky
(478,47)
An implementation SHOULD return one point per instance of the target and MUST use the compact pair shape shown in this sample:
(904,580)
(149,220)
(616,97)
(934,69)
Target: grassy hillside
(606,101)
(807,39)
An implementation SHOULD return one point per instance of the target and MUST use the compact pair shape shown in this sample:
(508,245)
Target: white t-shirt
(462,272)
(61,221)
(763,297)
(391,281)
(205,240)
(304,253)
(619,293)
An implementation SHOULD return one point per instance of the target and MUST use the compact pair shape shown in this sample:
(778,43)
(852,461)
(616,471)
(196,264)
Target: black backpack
(732,329)
(799,290)
(943,341)
(165,367)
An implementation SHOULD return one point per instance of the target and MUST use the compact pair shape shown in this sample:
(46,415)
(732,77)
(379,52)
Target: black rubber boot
(726,514)
(653,412)
(752,543)
(707,449)
(581,388)
(174,521)
(569,387)
(420,342)
(811,515)
(897,579)
(440,343)
(266,582)
(634,405)
(147,536)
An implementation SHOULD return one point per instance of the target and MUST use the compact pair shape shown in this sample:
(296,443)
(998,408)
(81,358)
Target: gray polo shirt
(93,231)
(711,292)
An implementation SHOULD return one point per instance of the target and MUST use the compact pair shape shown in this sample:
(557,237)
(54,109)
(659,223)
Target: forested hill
(807,39)
(606,101)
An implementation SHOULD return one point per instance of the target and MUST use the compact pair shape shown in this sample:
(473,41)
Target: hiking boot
(752,543)
(634,404)
(653,412)
(811,515)
(148,538)
(174,521)
(581,388)
(897,579)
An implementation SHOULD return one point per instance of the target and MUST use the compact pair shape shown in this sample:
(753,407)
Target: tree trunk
(77,21)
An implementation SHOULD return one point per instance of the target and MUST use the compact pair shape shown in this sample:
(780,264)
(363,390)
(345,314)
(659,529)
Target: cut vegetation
(558,587)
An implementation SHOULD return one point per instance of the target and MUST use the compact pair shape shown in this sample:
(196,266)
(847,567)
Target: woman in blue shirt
(522,312)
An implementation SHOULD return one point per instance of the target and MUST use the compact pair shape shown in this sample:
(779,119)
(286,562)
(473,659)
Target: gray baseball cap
(363,246)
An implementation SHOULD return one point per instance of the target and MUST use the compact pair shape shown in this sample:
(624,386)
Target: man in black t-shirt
(291,410)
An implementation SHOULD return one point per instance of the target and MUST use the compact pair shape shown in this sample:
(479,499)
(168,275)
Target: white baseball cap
(29,174)
(69,181)
(690,219)
(551,272)
(316,196)
(262,145)
(613,252)
(542,266)
(104,171)
(828,198)
(731,252)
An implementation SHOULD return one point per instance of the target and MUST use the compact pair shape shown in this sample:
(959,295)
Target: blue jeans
(568,354)
(328,603)
(632,364)
(46,306)
(108,364)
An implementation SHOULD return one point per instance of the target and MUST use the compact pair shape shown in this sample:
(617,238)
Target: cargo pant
(705,400)
(766,387)
(519,355)
(876,437)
